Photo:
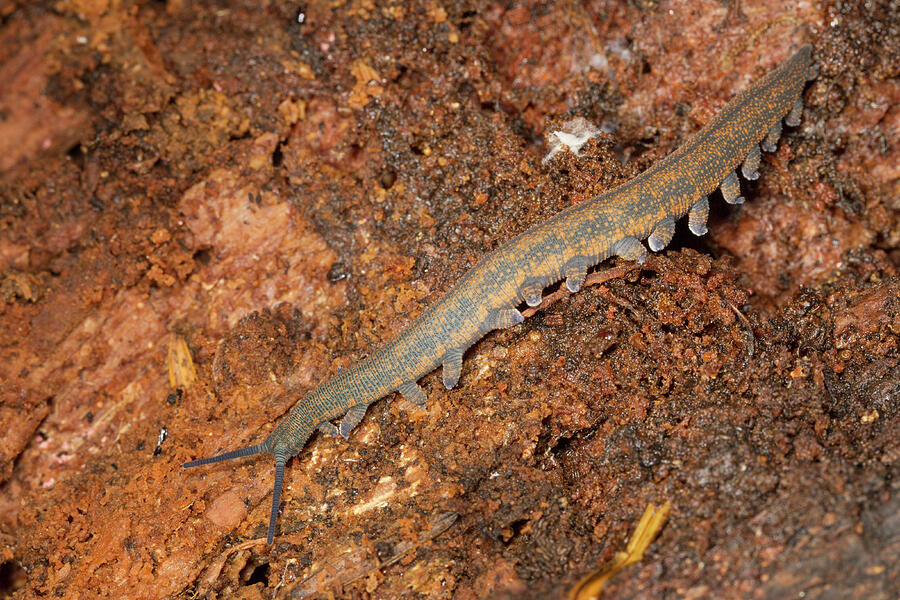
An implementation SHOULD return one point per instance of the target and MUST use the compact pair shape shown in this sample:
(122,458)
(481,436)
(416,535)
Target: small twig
(595,278)
(751,339)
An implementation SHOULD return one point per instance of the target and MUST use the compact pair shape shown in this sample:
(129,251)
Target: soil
(208,208)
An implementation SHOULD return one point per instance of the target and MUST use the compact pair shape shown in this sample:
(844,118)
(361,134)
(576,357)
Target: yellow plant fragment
(182,373)
(591,586)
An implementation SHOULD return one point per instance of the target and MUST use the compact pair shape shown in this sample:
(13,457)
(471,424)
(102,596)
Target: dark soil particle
(262,193)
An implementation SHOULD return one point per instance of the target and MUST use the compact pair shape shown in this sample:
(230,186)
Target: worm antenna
(276,497)
(240,452)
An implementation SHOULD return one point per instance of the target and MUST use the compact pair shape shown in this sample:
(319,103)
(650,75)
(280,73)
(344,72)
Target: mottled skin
(563,246)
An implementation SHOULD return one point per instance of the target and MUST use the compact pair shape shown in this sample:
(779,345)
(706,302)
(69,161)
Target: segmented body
(564,246)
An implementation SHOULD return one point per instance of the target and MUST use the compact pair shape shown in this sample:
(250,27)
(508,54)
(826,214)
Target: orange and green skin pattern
(587,233)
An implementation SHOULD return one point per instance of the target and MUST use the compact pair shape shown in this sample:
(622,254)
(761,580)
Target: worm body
(563,247)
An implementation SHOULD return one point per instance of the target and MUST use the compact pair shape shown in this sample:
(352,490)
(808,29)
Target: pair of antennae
(280,460)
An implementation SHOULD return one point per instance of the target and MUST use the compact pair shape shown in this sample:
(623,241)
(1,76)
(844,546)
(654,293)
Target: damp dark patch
(277,156)
(256,574)
(12,578)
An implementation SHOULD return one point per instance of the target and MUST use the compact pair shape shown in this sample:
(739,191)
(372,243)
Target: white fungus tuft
(572,135)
